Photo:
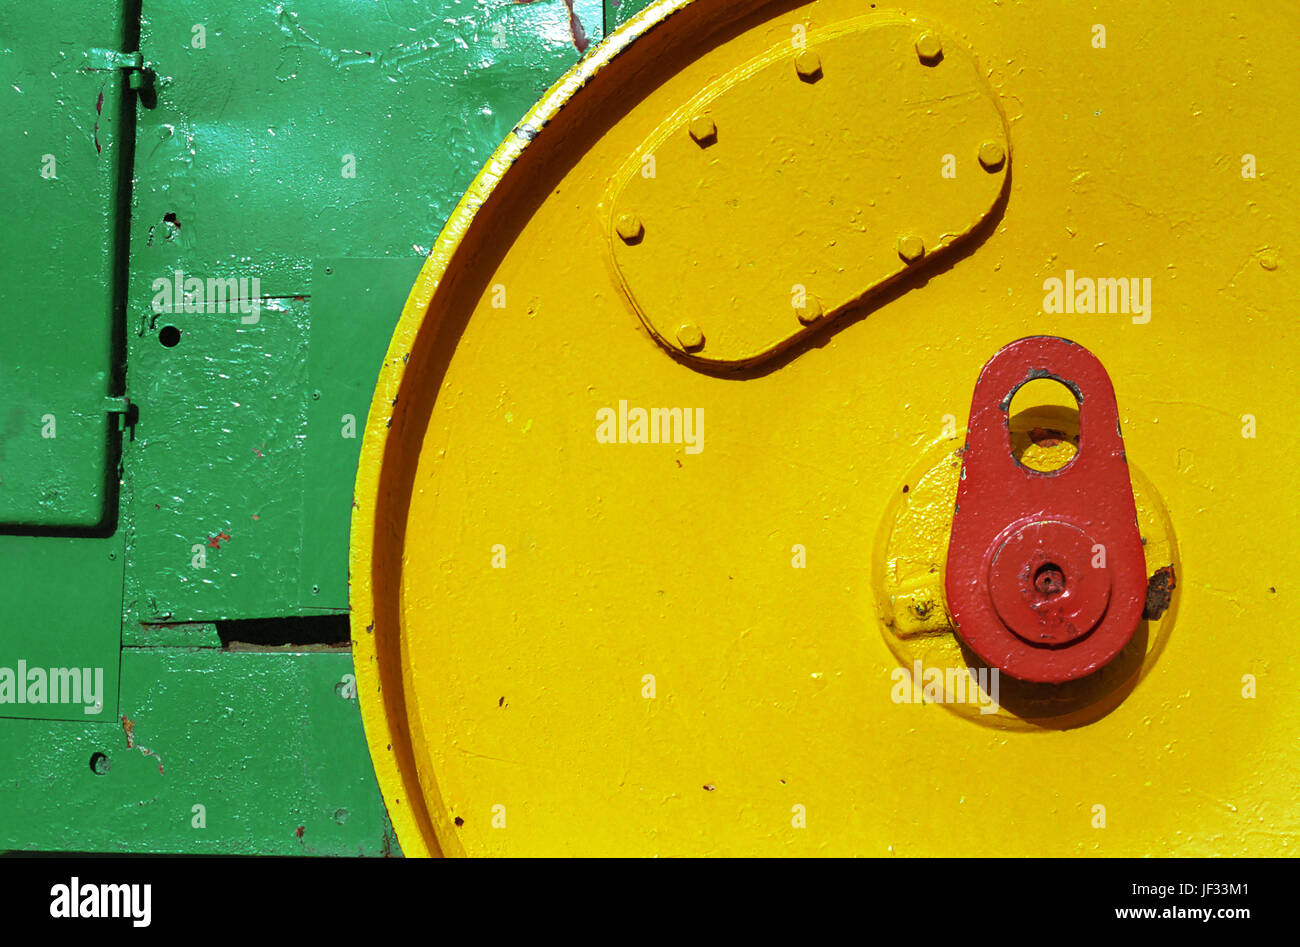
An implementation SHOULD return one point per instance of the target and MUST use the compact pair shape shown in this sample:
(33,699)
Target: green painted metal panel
(177,635)
(270,746)
(352,315)
(618,12)
(216,466)
(283,134)
(62,607)
(239,172)
(61,138)
(303,130)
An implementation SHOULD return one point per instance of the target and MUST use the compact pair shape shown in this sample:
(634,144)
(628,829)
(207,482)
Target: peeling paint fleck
(1160,589)
(576,30)
(128,727)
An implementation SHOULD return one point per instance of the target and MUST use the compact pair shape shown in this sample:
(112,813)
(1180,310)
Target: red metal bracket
(1045,576)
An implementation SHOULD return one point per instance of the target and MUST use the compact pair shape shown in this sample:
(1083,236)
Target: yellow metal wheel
(625,565)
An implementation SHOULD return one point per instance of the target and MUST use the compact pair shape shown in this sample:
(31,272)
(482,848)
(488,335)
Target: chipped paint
(1160,590)
(128,727)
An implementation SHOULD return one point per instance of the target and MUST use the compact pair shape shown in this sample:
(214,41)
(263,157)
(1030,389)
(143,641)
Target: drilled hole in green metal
(169,336)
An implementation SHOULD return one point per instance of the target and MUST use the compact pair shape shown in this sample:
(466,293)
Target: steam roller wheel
(653,515)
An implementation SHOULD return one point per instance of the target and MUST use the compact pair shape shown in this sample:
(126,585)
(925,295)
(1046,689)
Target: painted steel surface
(213,752)
(573,639)
(910,557)
(711,194)
(316,148)
(1045,577)
(289,120)
(66,133)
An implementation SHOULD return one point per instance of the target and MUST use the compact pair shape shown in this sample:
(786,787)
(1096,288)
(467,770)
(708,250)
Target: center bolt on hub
(1045,577)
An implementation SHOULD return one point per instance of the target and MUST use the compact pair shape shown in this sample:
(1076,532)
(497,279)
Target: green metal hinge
(121,407)
(139,77)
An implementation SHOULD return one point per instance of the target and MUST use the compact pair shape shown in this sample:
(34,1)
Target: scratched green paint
(60,596)
(216,466)
(352,309)
(265,743)
(618,12)
(300,131)
(62,112)
(245,148)
(179,635)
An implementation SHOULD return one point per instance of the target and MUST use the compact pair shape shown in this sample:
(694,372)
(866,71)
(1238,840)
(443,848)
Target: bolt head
(928,48)
(992,155)
(911,247)
(809,66)
(810,312)
(690,337)
(1049,580)
(629,228)
(703,130)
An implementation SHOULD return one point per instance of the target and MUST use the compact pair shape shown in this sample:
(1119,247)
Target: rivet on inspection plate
(703,130)
(992,155)
(809,66)
(690,337)
(809,313)
(928,48)
(630,229)
(911,247)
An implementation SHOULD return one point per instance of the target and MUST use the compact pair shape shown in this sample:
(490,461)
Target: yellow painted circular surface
(567,645)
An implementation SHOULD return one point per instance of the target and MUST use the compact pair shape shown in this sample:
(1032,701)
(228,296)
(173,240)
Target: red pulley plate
(1045,578)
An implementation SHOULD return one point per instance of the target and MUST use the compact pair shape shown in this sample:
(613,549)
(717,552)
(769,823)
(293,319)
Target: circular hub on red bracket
(1044,585)
(1045,578)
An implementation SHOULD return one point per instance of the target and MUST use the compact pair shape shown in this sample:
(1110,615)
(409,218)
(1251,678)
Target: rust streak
(576,29)
(580,41)
(128,727)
